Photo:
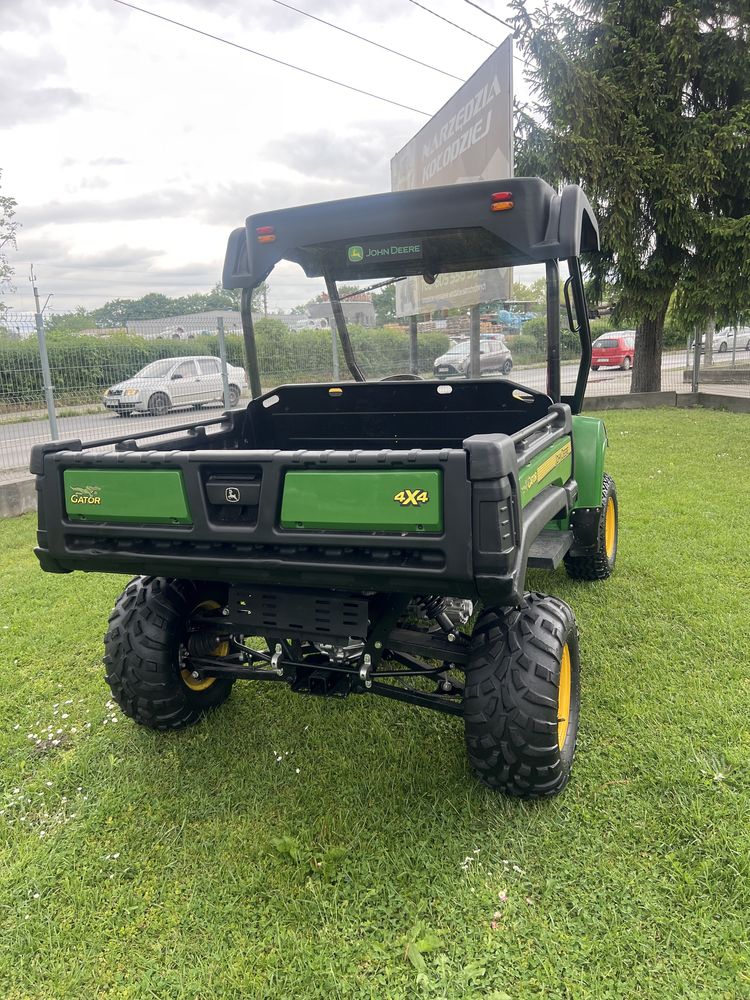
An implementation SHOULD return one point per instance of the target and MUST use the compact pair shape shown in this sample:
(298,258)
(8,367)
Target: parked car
(172,382)
(613,350)
(494,356)
(724,340)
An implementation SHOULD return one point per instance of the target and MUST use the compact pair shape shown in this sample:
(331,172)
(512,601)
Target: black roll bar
(584,331)
(343,331)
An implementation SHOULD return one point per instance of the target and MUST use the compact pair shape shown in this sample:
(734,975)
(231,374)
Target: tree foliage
(647,106)
(8,228)
(384,303)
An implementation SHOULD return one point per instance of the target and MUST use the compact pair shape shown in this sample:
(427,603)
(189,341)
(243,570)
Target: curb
(18,496)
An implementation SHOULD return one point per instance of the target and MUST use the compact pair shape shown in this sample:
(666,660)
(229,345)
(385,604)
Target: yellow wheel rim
(221,649)
(610,528)
(563,698)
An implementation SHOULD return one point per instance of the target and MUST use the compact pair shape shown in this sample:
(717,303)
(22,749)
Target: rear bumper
(607,362)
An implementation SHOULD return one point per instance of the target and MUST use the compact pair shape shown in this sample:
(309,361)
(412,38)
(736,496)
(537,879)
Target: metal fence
(68,385)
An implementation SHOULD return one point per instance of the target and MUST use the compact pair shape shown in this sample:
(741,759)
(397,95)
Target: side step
(548,548)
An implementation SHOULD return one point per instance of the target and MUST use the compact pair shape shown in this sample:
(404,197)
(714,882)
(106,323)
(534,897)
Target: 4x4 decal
(412,498)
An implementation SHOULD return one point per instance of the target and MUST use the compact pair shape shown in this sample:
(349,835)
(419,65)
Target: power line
(369,41)
(494,17)
(452,23)
(263,55)
(466,31)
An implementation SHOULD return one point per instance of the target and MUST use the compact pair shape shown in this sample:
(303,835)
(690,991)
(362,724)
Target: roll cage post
(248,334)
(583,328)
(343,331)
(553,330)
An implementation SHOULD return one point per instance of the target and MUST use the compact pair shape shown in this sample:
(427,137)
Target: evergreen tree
(647,106)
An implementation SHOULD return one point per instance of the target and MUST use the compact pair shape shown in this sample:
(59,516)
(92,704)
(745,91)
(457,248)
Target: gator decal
(126,496)
(556,458)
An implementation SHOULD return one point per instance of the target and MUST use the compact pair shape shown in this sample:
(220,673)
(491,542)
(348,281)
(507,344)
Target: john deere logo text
(356,254)
(412,498)
(86,494)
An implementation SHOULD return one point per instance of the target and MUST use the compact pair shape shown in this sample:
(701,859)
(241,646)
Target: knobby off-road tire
(598,562)
(147,631)
(521,700)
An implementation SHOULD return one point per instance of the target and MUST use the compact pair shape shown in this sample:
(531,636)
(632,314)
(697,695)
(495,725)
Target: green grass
(368,862)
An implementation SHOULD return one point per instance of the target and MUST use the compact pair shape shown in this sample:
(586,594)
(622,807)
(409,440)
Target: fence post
(223,358)
(335,352)
(696,361)
(46,377)
(474,369)
(413,351)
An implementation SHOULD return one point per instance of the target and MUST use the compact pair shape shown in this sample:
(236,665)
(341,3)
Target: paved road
(16,439)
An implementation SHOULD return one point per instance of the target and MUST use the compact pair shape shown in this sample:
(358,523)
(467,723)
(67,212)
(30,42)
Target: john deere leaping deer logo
(412,498)
(86,495)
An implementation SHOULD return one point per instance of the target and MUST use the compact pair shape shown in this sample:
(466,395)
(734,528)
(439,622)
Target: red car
(613,350)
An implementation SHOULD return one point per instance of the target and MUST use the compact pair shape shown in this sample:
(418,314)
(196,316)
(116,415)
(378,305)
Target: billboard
(469,139)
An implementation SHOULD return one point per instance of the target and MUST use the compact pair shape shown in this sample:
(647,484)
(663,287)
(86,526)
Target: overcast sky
(133,146)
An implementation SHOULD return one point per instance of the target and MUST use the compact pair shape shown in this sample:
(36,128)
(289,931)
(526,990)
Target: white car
(171,382)
(724,340)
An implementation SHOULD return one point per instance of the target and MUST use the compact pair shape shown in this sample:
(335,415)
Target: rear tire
(143,646)
(158,404)
(522,695)
(723,347)
(507,367)
(598,562)
(595,368)
(234,396)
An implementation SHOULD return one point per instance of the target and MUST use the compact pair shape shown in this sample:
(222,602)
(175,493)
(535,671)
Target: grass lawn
(367,861)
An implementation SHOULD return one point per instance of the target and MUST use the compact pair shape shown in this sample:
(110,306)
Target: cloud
(276,17)
(19,14)
(22,101)
(226,205)
(152,205)
(361,157)
(109,161)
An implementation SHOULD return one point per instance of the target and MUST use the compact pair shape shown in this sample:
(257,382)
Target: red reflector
(501,206)
(266,239)
(265,230)
(502,196)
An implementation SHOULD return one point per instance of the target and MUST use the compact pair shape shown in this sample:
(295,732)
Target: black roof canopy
(427,231)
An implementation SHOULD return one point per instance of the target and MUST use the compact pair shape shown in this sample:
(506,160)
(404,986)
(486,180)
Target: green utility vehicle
(336,537)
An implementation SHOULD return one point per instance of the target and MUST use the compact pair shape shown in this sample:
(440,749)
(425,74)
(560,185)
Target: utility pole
(46,377)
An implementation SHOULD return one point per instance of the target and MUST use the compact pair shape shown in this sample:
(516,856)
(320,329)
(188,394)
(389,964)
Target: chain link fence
(150,374)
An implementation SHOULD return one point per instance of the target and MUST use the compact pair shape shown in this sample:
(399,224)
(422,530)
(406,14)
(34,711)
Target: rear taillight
(501,201)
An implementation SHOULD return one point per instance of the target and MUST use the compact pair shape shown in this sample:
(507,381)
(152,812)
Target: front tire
(522,697)
(598,562)
(159,404)
(626,365)
(234,396)
(143,649)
